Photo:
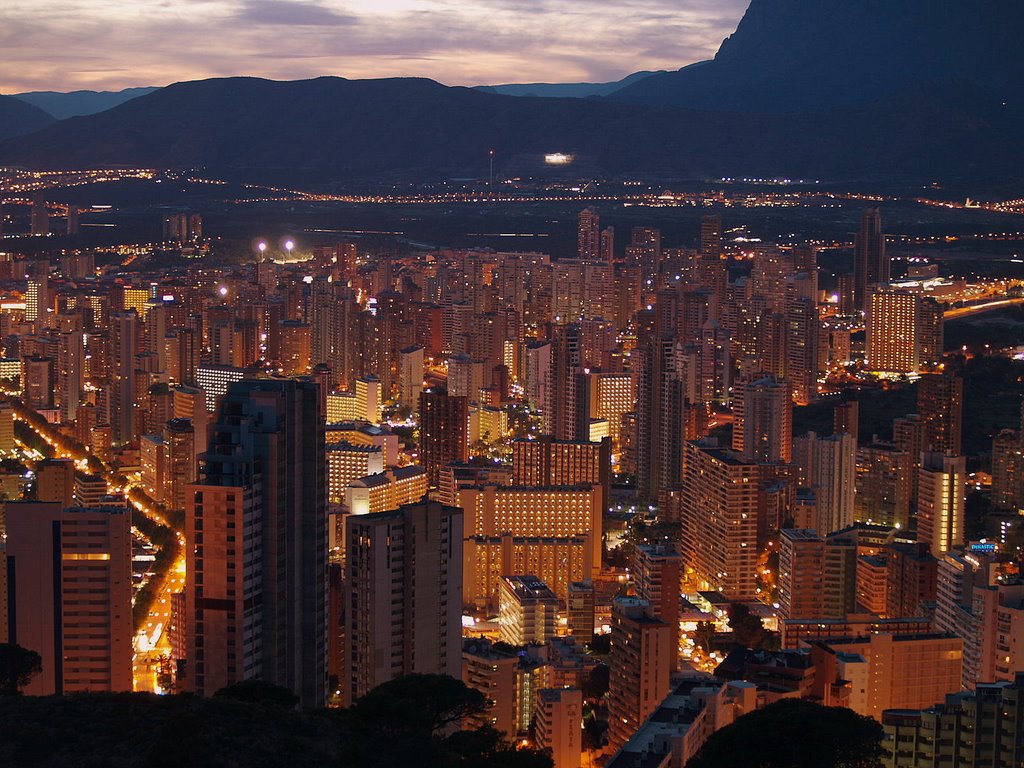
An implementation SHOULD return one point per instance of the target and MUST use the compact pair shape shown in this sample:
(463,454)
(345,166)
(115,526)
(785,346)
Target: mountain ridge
(18,118)
(802,89)
(64,104)
(810,55)
(566,90)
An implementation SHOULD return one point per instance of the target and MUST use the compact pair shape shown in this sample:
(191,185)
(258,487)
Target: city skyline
(95,44)
(397,422)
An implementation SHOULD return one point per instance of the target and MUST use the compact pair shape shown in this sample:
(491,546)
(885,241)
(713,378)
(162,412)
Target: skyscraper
(256,528)
(711,238)
(657,572)
(403,600)
(444,428)
(940,404)
(69,581)
(721,509)
(892,330)
(660,404)
(588,235)
(639,664)
(801,566)
(940,503)
(570,414)
(870,263)
(123,348)
(763,420)
(40,216)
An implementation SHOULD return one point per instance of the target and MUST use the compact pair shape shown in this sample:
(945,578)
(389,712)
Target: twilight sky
(113,44)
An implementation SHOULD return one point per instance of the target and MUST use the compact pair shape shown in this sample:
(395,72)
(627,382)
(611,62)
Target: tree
(596,684)
(704,636)
(17,668)
(421,704)
(259,692)
(600,645)
(594,730)
(795,733)
(747,629)
(486,748)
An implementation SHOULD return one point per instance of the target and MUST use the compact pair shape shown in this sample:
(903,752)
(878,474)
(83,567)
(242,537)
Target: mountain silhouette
(75,103)
(17,117)
(875,90)
(800,55)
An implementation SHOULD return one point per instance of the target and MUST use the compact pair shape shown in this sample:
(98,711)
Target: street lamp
(289,246)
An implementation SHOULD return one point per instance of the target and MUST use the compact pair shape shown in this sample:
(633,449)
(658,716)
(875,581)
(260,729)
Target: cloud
(109,44)
(292,13)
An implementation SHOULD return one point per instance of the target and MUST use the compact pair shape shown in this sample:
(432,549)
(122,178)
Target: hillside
(18,118)
(75,103)
(799,55)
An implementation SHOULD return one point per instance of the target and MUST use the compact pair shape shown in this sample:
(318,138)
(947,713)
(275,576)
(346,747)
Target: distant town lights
(558,158)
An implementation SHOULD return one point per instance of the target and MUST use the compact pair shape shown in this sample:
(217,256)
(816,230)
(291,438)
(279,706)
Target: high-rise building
(711,238)
(588,236)
(544,511)
(831,472)
(892,330)
(295,347)
(37,297)
(639,664)
(908,437)
(657,572)
(444,431)
(559,719)
(527,610)
(569,412)
(410,376)
(940,505)
(904,331)
(580,605)
(763,420)
(40,215)
(975,729)
(403,602)
(846,418)
(70,364)
(1007,470)
(721,507)
(801,565)
(660,407)
(558,561)
(386,490)
(55,481)
(256,527)
(884,478)
(69,581)
(962,576)
(870,262)
(546,461)
(123,348)
(817,575)
(72,223)
(180,457)
(912,573)
(889,671)
(940,404)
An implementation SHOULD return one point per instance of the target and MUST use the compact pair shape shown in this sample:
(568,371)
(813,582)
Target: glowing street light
(289,245)
(262,247)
